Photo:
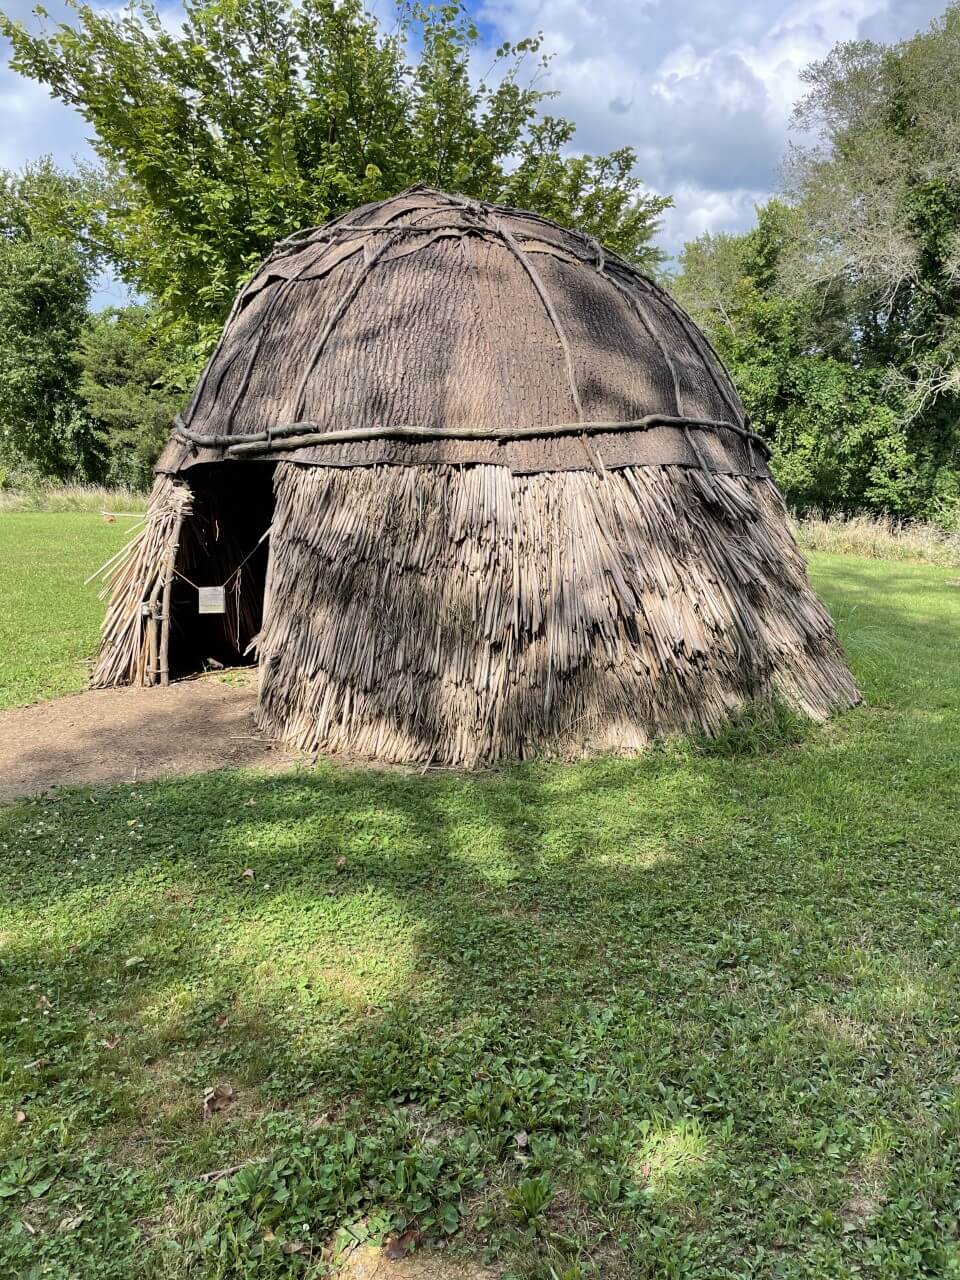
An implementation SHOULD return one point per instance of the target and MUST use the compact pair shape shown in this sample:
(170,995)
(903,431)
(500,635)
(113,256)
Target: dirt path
(127,735)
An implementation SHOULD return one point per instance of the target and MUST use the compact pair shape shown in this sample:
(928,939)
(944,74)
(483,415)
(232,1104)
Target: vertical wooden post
(153,653)
(168,568)
(267,592)
(152,607)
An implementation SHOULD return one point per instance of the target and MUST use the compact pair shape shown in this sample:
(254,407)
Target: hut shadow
(337,861)
(474,868)
(405,940)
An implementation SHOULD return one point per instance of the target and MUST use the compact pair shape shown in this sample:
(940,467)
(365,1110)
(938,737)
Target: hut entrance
(224,543)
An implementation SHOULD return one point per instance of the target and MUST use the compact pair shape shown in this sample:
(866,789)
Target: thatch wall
(459,615)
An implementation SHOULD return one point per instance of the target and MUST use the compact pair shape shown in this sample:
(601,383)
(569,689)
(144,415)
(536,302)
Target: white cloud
(702,92)
(698,209)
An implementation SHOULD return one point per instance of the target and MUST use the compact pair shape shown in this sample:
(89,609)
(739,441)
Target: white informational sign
(211,600)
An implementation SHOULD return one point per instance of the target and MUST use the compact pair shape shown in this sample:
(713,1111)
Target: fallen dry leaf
(218,1099)
(293,1246)
(268,1235)
(20,1117)
(112,1042)
(398,1247)
(70,1224)
(215,1175)
(132,961)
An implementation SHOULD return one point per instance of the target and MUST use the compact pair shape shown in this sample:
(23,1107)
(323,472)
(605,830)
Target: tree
(45,271)
(837,437)
(880,195)
(41,200)
(133,381)
(264,116)
(43,298)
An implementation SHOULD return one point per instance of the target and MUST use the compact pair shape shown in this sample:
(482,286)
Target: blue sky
(701,90)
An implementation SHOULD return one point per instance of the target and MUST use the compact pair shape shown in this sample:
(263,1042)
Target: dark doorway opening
(224,542)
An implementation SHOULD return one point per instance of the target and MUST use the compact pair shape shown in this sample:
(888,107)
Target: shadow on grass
(715,993)
(672,974)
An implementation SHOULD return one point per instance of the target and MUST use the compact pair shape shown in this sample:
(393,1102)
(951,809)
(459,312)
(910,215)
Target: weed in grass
(530,1199)
(760,728)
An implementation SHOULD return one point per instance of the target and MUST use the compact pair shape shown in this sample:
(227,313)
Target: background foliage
(134,379)
(838,313)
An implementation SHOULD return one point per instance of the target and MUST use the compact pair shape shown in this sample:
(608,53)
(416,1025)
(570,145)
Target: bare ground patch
(371,1263)
(129,735)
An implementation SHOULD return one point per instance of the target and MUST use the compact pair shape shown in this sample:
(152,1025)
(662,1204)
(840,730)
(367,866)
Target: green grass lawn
(691,1016)
(48,619)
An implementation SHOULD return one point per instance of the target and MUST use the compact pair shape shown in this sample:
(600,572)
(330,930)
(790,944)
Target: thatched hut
(474,488)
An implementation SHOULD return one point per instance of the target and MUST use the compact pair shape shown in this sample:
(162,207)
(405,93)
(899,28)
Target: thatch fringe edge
(459,616)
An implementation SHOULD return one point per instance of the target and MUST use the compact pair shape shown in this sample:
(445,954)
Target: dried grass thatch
(138,581)
(519,509)
(458,616)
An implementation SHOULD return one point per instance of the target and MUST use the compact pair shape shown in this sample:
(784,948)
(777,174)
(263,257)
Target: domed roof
(514,340)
